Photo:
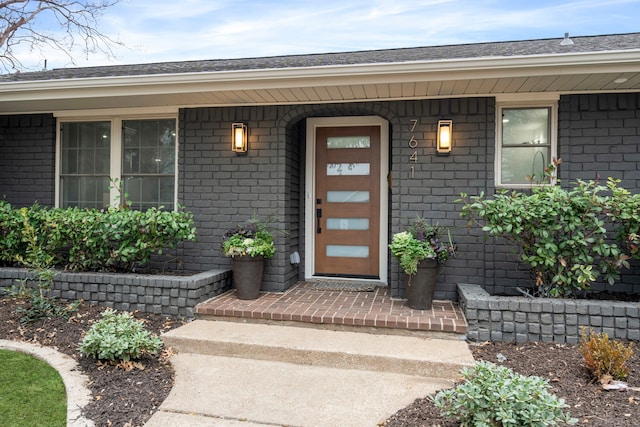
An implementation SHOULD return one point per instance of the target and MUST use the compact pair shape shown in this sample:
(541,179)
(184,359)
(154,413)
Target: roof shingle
(586,44)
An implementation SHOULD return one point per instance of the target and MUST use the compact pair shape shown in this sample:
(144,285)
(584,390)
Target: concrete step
(408,355)
(230,391)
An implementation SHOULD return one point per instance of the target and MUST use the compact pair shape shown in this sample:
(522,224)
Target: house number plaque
(413,144)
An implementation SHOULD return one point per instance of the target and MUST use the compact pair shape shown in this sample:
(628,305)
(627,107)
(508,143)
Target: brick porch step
(303,304)
(418,355)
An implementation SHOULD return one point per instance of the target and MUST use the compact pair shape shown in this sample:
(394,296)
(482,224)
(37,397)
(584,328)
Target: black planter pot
(247,275)
(422,286)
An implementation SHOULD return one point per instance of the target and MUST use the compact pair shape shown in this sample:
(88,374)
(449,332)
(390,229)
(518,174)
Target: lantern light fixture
(445,136)
(239,138)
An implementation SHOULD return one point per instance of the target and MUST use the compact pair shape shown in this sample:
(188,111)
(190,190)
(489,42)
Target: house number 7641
(413,144)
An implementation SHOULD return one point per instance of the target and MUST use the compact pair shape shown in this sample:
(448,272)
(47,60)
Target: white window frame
(115,162)
(552,104)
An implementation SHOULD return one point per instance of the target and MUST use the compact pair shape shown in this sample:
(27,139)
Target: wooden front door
(347,201)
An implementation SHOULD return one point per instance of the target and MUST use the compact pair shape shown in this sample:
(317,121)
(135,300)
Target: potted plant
(421,250)
(248,244)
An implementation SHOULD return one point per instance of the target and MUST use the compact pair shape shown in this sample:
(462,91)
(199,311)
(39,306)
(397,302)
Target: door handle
(318,221)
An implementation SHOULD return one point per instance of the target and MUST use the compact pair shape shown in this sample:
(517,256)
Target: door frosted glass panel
(348,251)
(348,169)
(348,142)
(347,196)
(348,223)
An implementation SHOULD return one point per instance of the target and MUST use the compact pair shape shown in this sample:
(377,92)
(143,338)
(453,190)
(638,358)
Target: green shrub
(605,357)
(37,256)
(91,239)
(119,337)
(563,234)
(624,210)
(494,396)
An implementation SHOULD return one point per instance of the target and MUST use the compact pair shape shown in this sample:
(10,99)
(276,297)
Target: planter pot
(422,286)
(247,275)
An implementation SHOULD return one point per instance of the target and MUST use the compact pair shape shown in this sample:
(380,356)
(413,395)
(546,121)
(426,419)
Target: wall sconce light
(444,136)
(239,138)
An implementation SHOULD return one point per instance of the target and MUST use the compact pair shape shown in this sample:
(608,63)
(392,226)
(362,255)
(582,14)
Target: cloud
(167,30)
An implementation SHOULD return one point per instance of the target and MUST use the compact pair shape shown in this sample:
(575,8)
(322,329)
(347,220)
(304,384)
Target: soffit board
(578,73)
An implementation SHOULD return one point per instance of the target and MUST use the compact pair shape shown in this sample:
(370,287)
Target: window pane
(148,162)
(520,162)
(84,191)
(85,163)
(525,126)
(348,142)
(352,169)
(150,191)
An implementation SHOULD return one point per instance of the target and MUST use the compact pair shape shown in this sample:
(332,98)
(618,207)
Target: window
(526,144)
(148,162)
(140,153)
(84,173)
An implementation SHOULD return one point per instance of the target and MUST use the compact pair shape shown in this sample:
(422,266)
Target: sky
(178,30)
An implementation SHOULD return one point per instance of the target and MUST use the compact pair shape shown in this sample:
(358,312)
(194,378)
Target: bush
(119,337)
(494,396)
(604,357)
(91,239)
(36,255)
(563,234)
(624,210)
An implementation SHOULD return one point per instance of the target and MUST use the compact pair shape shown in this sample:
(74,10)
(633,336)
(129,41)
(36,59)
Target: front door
(347,201)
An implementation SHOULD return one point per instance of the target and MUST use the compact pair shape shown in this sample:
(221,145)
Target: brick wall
(170,295)
(222,188)
(27,144)
(514,319)
(599,137)
(597,134)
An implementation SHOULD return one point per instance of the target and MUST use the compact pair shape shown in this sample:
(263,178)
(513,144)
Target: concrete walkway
(248,374)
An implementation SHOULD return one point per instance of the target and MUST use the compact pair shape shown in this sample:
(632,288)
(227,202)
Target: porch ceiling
(577,73)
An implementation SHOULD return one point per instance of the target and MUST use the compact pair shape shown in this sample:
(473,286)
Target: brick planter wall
(168,295)
(519,319)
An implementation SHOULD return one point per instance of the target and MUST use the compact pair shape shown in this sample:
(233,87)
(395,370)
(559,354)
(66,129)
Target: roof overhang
(597,72)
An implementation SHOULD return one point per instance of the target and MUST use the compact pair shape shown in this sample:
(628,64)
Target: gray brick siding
(27,147)
(598,134)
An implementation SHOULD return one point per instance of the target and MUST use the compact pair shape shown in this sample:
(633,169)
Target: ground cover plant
(32,392)
(118,337)
(496,396)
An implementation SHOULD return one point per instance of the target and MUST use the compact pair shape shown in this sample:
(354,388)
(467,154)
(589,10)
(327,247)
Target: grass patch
(31,392)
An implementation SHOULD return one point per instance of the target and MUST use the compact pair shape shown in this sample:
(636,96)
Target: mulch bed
(561,364)
(129,398)
(120,397)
